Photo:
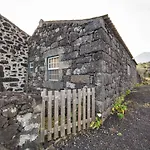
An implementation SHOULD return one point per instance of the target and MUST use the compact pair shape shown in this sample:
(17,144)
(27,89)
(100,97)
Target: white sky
(131,17)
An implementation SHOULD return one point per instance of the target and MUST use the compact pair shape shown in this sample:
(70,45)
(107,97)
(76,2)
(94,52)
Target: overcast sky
(131,17)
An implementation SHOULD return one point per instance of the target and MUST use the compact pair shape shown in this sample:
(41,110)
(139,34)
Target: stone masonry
(91,54)
(13,56)
(19,121)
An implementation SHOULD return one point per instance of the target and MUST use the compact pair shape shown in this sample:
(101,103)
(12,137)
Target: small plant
(97,123)
(120,106)
(138,85)
(127,92)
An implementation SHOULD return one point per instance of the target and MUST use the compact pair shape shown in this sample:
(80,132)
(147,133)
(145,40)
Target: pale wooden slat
(42,133)
(56,100)
(82,95)
(93,104)
(88,106)
(49,115)
(74,111)
(79,108)
(84,108)
(69,95)
(62,113)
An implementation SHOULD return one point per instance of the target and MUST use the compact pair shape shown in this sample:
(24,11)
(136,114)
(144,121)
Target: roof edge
(116,33)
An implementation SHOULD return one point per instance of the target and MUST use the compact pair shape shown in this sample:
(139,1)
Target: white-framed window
(31,66)
(53,68)
(128,70)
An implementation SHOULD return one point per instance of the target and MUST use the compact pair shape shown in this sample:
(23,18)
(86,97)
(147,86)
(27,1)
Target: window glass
(53,68)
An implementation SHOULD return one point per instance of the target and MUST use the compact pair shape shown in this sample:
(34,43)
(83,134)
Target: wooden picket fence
(66,112)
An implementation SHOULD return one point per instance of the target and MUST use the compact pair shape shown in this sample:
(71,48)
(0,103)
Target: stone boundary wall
(19,121)
(13,56)
(90,55)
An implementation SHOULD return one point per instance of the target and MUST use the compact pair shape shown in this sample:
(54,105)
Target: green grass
(144,71)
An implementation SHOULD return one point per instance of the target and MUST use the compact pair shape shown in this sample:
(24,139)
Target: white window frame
(52,68)
(31,65)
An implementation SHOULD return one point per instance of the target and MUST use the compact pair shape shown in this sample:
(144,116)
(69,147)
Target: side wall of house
(90,55)
(13,56)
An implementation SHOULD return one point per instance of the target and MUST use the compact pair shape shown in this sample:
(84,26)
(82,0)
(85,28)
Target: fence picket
(49,115)
(56,99)
(43,116)
(93,104)
(88,106)
(69,95)
(74,111)
(84,108)
(79,108)
(62,113)
(77,117)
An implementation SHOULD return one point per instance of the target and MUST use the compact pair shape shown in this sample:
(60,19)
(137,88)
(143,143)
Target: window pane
(53,68)
(53,63)
(53,74)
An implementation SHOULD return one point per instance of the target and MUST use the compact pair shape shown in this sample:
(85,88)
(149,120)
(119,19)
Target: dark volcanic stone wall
(19,121)
(90,54)
(13,56)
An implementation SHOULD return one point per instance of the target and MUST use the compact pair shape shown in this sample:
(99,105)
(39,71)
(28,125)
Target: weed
(138,85)
(97,123)
(127,92)
(120,107)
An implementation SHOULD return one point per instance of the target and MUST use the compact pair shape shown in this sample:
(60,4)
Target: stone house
(13,56)
(81,53)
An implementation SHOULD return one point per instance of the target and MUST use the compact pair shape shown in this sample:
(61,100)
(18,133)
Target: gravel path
(134,129)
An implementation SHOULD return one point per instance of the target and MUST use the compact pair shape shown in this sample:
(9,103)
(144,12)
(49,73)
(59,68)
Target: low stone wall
(19,121)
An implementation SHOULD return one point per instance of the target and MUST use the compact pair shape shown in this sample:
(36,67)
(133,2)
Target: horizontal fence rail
(66,112)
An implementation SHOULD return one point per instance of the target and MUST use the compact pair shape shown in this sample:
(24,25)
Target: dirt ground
(130,133)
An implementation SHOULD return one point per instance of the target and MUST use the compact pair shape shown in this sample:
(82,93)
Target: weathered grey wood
(86,97)
(62,113)
(79,108)
(74,111)
(69,95)
(56,100)
(84,108)
(93,104)
(88,106)
(49,115)
(42,133)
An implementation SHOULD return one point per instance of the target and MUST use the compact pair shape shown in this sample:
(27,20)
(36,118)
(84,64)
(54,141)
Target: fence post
(84,108)
(56,99)
(74,111)
(49,115)
(79,108)
(69,95)
(93,104)
(42,130)
(88,106)
(62,113)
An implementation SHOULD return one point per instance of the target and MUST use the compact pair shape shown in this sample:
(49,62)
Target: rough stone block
(99,106)
(70,85)
(92,47)
(80,79)
(93,25)
(65,64)
(9,112)
(83,40)
(1,71)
